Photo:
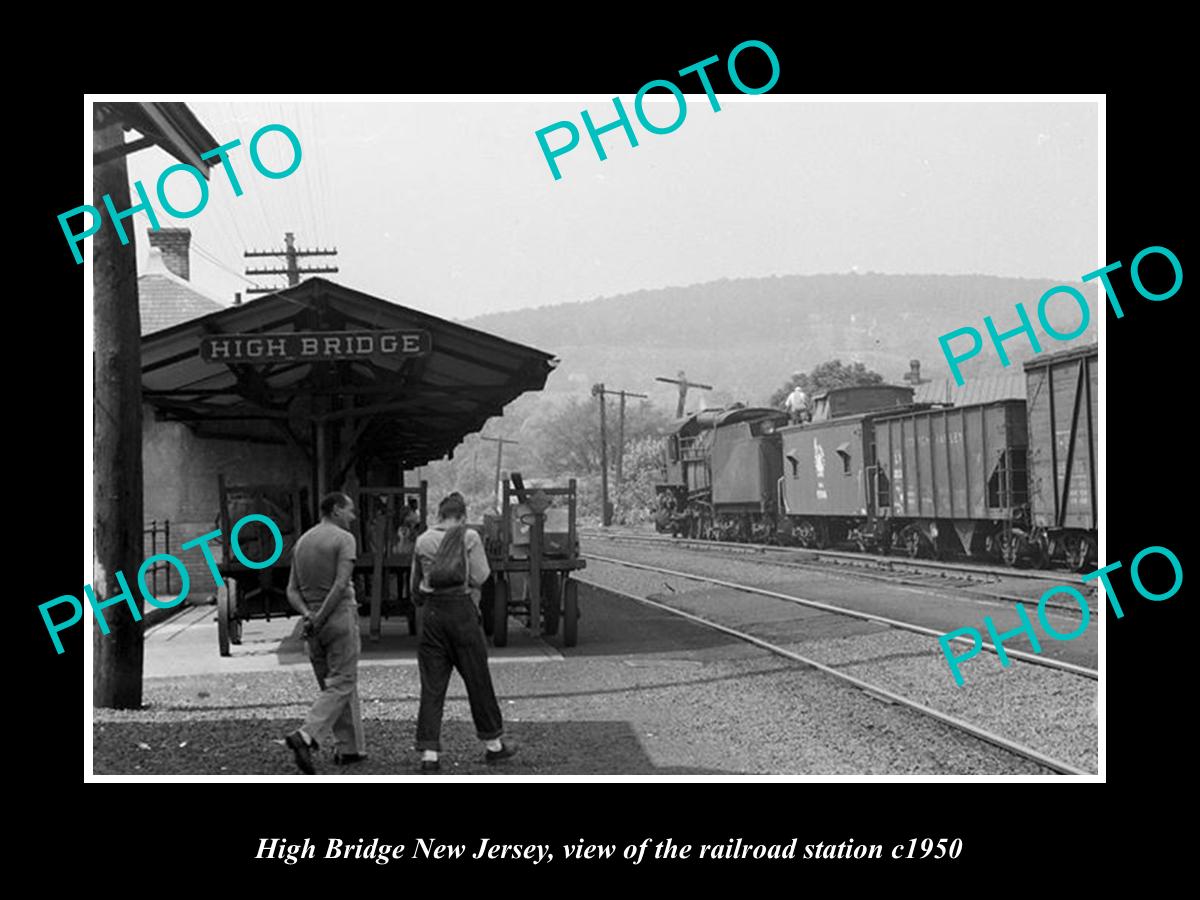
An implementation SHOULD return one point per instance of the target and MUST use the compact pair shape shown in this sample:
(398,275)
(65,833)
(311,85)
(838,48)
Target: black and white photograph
(687,435)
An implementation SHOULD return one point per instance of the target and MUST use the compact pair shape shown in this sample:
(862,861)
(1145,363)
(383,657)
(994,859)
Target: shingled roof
(165,299)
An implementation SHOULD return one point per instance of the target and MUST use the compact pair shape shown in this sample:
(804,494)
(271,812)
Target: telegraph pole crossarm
(683,383)
(293,271)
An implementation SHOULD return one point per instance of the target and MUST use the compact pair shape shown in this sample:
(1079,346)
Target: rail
(1057,576)
(1036,659)
(983,734)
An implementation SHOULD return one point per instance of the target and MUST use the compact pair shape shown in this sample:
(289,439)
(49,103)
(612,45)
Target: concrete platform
(186,644)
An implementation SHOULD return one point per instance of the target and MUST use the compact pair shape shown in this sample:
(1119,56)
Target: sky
(451,208)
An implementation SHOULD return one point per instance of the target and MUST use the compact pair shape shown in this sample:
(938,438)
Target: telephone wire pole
(293,271)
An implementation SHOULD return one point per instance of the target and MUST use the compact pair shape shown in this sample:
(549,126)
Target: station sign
(313,346)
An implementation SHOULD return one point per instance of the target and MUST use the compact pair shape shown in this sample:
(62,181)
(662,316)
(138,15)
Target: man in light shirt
(321,591)
(797,405)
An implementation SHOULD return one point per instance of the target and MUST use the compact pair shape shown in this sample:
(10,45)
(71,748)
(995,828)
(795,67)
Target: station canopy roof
(410,409)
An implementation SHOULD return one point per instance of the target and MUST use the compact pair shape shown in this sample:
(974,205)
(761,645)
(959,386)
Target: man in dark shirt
(452,638)
(321,591)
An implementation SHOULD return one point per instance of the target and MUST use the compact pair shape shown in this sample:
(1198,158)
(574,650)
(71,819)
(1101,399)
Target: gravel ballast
(1048,710)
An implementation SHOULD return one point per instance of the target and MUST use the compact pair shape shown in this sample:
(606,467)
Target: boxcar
(1062,398)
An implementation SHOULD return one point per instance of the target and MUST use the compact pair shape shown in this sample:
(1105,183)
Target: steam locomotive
(1004,479)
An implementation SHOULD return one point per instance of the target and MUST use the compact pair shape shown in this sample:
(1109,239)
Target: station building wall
(180,485)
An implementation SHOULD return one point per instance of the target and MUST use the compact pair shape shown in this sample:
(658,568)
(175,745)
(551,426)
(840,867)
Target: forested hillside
(746,336)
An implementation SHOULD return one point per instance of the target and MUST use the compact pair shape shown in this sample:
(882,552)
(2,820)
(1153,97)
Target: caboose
(830,489)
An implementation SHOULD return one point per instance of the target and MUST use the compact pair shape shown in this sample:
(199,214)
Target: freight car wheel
(1041,559)
(500,614)
(912,541)
(570,612)
(812,533)
(1009,547)
(1079,550)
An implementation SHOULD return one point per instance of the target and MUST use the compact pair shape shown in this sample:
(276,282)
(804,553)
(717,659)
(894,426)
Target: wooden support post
(322,461)
(536,531)
(379,539)
(117,442)
(499,456)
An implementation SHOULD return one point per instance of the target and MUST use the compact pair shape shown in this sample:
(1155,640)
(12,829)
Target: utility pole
(293,270)
(606,512)
(684,384)
(117,447)
(620,426)
(499,442)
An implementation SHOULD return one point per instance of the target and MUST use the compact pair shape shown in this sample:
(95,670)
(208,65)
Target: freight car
(1002,479)
(931,481)
(1061,399)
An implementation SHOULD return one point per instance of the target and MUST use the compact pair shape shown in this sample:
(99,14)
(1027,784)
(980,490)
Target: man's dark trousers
(452,638)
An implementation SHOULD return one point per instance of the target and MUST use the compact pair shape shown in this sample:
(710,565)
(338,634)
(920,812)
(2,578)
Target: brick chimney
(914,372)
(175,244)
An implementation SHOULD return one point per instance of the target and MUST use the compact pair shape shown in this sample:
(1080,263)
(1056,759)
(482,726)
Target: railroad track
(1036,659)
(955,722)
(932,574)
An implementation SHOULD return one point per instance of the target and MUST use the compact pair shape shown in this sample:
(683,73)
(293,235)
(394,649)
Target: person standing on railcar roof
(797,403)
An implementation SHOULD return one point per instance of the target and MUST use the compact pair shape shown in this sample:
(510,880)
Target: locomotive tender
(1010,479)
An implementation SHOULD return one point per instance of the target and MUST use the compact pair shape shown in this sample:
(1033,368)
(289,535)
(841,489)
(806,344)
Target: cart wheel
(570,612)
(500,613)
(551,601)
(223,604)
